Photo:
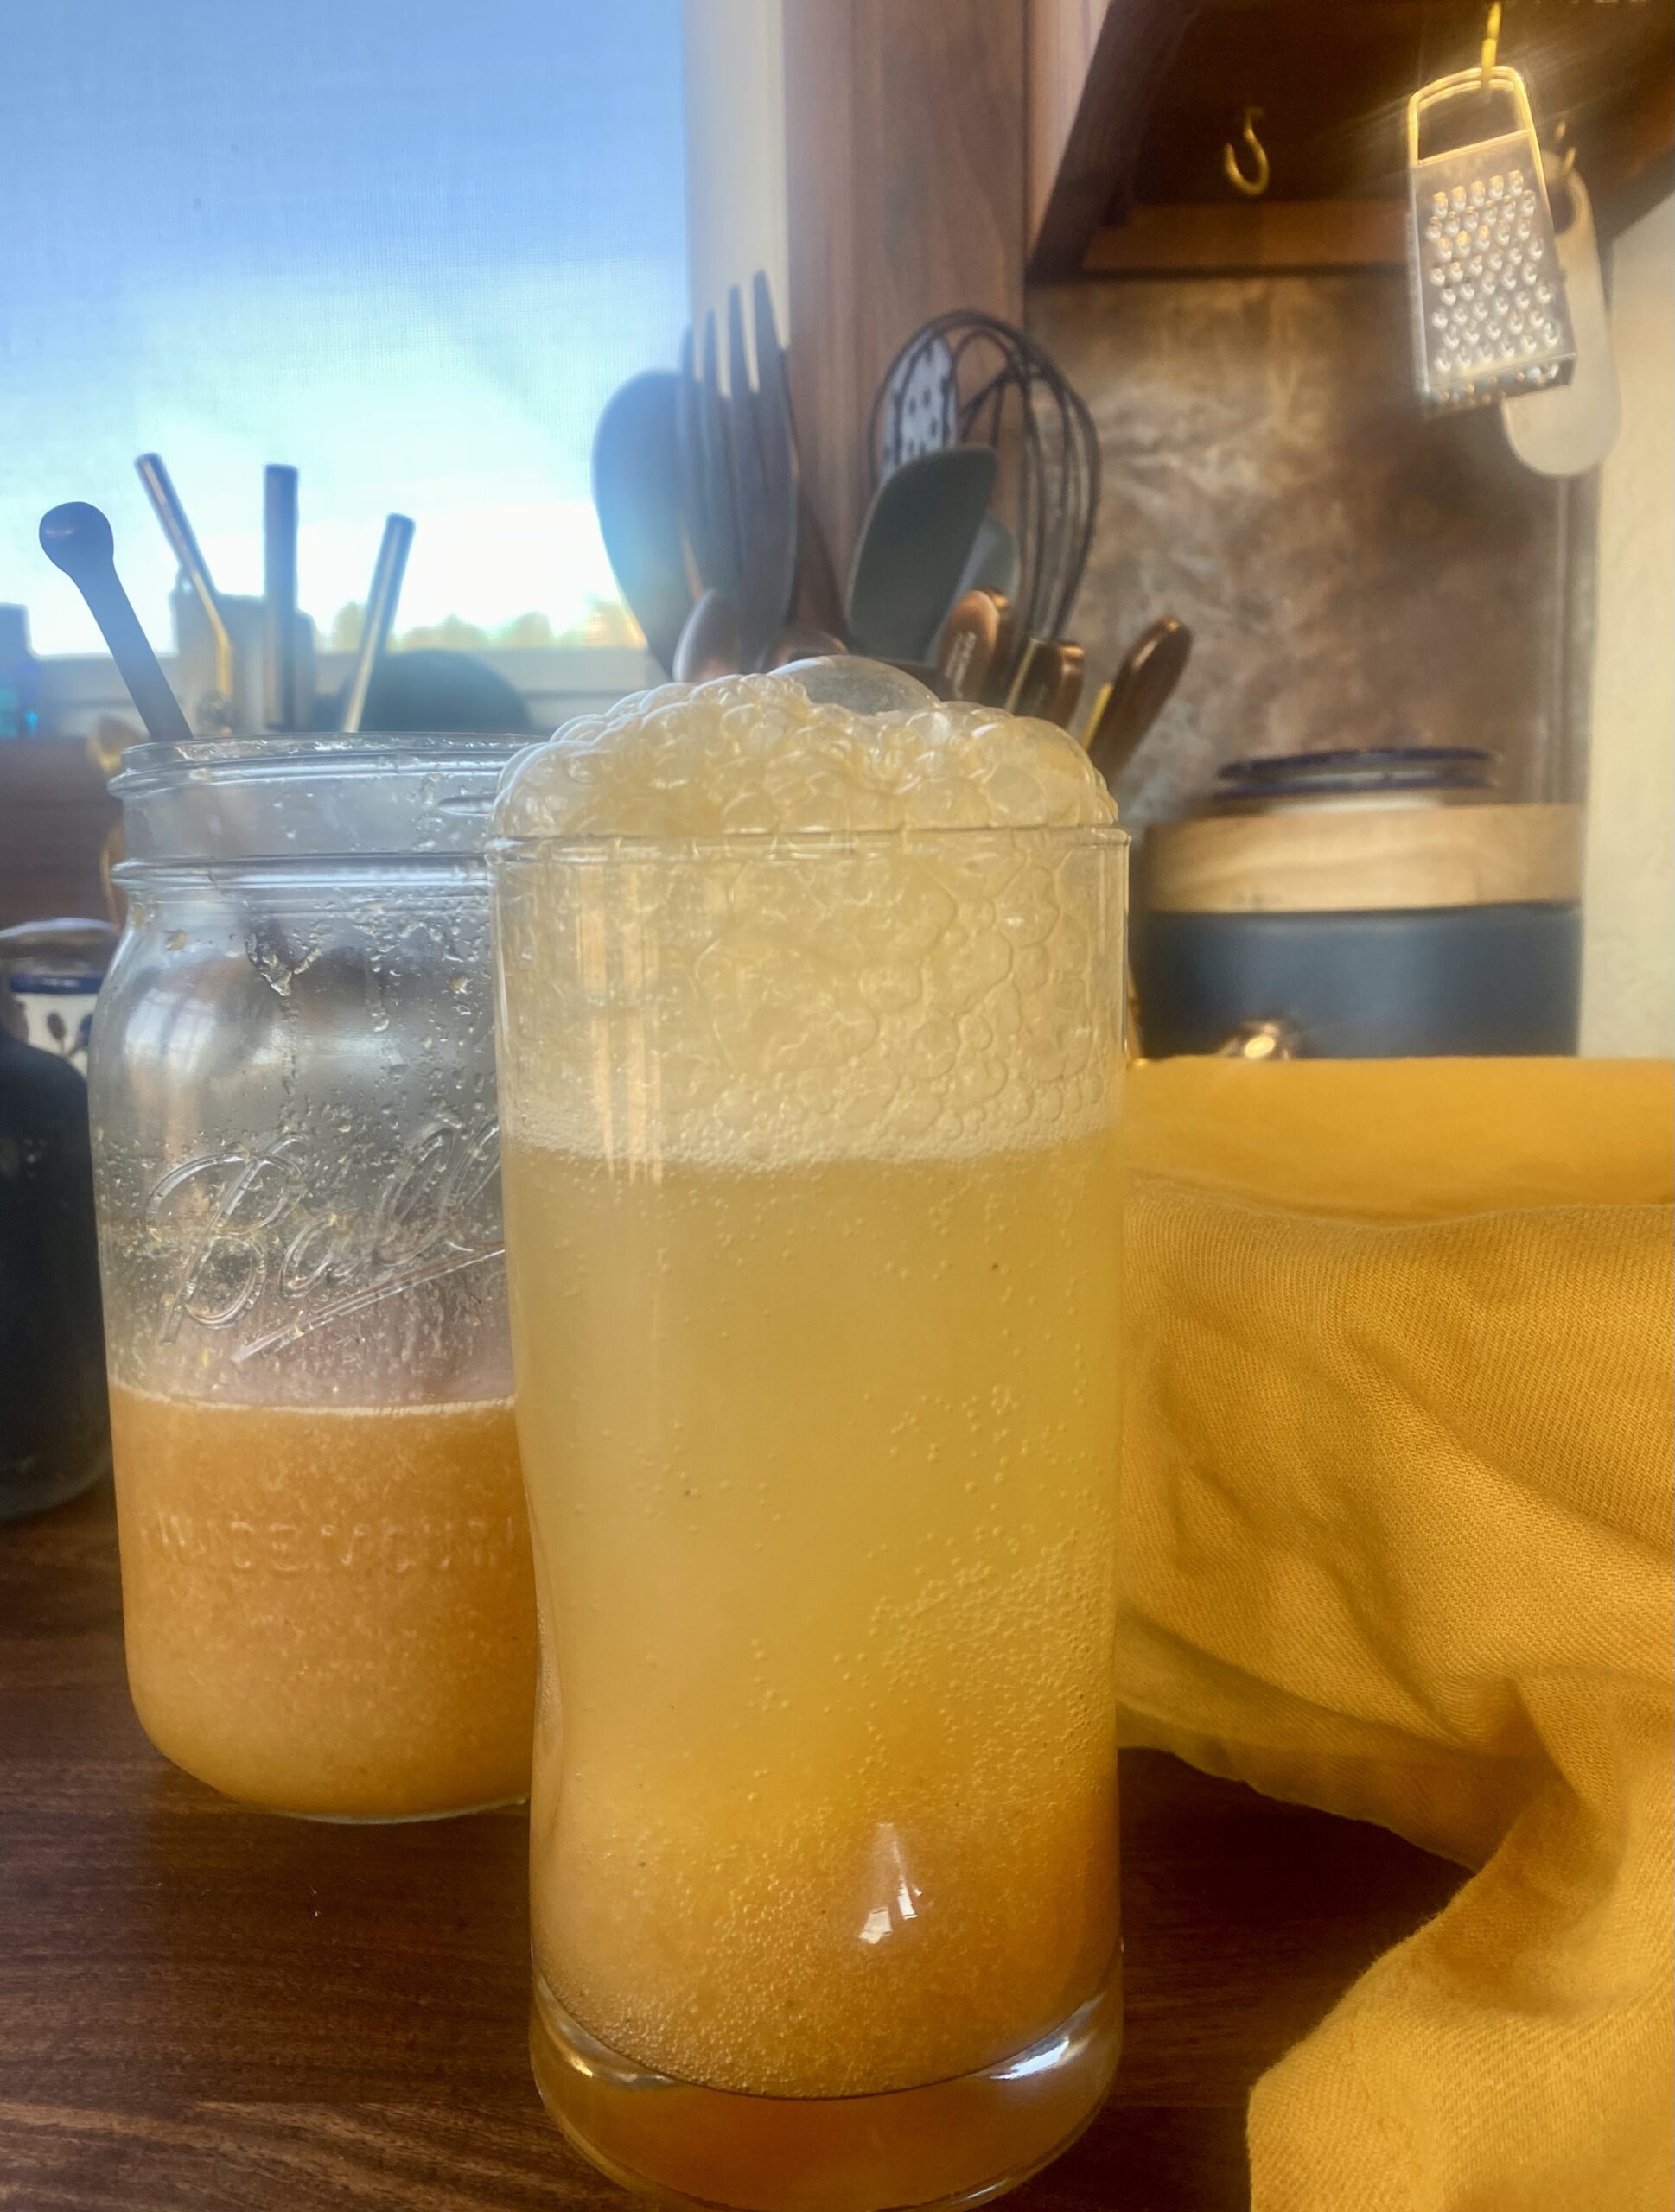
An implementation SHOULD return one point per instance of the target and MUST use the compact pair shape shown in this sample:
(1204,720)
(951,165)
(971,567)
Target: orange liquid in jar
(328,1610)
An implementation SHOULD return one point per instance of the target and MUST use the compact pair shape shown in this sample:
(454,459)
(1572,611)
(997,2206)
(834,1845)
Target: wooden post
(905,192)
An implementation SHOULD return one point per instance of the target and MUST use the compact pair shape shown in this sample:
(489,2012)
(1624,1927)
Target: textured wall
(1352,572)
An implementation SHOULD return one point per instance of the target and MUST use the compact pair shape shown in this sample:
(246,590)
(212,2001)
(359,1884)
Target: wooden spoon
(709,645)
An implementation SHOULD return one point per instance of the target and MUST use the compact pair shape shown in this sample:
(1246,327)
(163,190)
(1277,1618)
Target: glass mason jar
(327,1598)
(813,1225)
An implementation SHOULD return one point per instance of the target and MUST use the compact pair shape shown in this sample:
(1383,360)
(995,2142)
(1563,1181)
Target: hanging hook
(1252,187)
(1491,43)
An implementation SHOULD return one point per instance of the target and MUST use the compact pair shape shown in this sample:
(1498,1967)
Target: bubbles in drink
(909,992)
(807,1054)
(757,752)
(329,1608)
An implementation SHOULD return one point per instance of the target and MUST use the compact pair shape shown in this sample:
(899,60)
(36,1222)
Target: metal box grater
(1490,318)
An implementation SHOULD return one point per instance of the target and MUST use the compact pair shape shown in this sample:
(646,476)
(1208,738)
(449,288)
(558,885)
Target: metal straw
(182,540)
(279,586)
(381,603)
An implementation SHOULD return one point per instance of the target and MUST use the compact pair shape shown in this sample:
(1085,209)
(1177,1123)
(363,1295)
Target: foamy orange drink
(328,1609)
(808,1055)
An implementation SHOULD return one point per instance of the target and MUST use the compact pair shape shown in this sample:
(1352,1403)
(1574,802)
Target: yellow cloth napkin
(1396,1502)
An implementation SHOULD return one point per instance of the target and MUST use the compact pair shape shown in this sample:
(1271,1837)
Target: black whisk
(968,377)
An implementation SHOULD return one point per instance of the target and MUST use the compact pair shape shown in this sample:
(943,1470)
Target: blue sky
(409,245)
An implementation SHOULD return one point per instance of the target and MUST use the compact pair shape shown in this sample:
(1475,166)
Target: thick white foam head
(885,933)
(757,753)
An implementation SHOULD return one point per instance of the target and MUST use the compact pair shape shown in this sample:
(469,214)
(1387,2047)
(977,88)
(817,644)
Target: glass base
(250,1804)
(226,1785)
(949,2143)
(389,1820)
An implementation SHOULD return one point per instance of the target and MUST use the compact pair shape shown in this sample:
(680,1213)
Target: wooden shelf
(1130,102)
(1269,235)
(1093,69)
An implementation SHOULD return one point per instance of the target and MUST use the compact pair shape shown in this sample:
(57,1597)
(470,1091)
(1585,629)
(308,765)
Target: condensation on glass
(814,1228)
(325,1564)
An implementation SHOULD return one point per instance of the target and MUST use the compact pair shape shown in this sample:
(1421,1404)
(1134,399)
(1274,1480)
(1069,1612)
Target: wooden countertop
(203,2008)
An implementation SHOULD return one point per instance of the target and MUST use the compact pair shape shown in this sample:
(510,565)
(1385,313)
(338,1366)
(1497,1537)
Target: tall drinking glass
(813,1219)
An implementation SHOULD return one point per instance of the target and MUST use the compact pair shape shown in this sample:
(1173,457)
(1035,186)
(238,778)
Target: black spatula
(913,549)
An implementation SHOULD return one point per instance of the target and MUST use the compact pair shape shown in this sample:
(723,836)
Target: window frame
(79,690)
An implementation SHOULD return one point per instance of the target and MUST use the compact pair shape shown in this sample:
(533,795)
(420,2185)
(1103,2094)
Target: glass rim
(152,767)
(782,844)
(146,873)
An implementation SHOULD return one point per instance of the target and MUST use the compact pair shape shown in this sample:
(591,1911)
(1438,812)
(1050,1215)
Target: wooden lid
(1314,860)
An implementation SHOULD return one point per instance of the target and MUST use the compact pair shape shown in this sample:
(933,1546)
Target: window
(409,245)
